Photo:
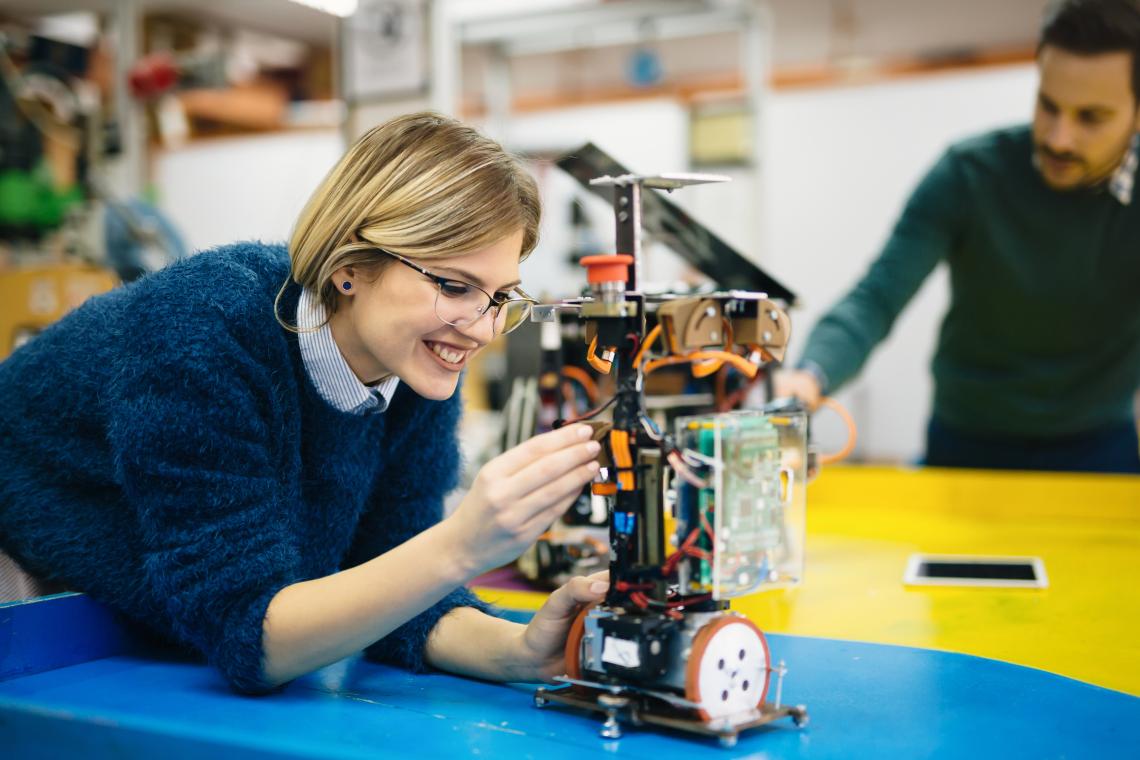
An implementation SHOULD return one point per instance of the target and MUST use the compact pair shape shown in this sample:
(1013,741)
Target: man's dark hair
(1091,27)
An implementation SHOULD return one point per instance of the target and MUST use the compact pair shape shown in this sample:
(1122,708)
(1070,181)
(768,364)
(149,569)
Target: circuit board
(751,468)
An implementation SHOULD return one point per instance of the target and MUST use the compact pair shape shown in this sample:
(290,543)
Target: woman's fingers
(541,507)
(543,520)
(551,467)
(566,600)
(513,460)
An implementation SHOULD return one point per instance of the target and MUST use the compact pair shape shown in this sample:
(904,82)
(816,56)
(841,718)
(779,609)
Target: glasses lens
(513,314)
(459,304)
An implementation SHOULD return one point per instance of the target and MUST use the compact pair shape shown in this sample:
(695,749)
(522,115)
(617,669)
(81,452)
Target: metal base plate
(635,708)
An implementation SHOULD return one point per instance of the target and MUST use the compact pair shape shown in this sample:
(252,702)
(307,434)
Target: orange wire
(728,334)
(654,364)
(748,368)
(645,344)
(725,400)
(598,363)
(583,378)
(704,369)
(848,447)
(619,444)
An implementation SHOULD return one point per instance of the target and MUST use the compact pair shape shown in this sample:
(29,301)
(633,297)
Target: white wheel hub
(732,672)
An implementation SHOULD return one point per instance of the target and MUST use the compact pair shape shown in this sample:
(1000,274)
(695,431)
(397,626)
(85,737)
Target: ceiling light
(340,8)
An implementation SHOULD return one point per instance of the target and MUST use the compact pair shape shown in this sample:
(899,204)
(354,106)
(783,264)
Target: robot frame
(711,511)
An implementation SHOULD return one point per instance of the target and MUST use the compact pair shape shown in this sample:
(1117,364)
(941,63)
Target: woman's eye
(454,289)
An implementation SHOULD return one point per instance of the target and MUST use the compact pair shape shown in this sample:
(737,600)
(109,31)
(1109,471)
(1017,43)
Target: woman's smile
(450,357)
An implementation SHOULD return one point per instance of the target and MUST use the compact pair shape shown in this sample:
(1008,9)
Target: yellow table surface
(864,523)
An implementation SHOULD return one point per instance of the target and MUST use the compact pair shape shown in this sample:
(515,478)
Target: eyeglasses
(460,303)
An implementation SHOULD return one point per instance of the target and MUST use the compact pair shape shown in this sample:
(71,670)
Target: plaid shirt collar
(1122,180)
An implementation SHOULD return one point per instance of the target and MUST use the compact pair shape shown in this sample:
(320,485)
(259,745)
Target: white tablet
(971,570)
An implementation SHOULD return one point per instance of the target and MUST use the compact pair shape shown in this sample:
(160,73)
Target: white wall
(646,136)
(221,190)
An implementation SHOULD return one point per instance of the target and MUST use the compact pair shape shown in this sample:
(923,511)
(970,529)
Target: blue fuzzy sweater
(163,449)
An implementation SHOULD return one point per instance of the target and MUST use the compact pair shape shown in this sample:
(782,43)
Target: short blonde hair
(421,185)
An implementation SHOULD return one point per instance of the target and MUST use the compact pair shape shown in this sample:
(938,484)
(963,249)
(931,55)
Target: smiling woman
(420,188)
(383,322)
(257,471)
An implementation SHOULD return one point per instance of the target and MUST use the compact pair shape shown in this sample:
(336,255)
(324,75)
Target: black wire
(585,416)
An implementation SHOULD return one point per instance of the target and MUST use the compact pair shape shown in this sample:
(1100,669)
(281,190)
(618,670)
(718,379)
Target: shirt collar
(326,367)
(1122,180)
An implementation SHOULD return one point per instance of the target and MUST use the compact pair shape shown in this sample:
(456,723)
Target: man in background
(1038,358)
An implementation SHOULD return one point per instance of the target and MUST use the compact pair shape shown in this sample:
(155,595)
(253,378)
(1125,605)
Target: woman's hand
(542,653)
(517,495)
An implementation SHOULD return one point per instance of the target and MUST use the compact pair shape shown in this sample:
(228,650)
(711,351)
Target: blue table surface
(865,700)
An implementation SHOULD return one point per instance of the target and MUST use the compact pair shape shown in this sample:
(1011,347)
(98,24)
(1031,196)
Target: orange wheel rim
(574,644)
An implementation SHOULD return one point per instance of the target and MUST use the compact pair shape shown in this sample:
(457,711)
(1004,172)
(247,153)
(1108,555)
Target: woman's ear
(344,280)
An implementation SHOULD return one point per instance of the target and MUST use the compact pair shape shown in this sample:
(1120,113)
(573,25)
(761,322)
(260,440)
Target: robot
(710,510)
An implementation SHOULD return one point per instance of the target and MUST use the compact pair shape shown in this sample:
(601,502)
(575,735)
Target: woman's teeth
(449,355)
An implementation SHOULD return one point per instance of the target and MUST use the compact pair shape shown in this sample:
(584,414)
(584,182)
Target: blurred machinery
(64,235)
(31,298)
(695,515)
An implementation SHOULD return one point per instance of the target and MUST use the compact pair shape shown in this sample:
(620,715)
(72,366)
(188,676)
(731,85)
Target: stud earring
(346,285)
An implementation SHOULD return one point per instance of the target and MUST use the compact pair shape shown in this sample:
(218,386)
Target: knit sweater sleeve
(409,499)
(191,431)
(924,235)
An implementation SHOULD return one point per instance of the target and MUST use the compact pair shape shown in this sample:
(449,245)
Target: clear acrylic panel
(751,469)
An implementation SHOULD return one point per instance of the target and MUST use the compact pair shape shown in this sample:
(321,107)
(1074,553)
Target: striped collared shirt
(328,370)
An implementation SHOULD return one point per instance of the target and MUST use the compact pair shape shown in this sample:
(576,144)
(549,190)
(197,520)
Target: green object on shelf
(28,199)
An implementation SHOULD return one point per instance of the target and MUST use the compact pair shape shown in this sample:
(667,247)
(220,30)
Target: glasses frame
(494,305)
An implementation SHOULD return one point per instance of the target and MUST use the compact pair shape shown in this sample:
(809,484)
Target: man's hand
(542,650)
(799,383)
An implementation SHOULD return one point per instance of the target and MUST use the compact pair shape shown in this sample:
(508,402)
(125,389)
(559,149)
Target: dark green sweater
(1042,337)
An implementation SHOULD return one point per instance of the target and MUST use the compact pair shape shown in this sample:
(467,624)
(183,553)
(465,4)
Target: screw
(611,729)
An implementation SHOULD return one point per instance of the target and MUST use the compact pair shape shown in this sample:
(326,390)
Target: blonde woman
(257,471)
